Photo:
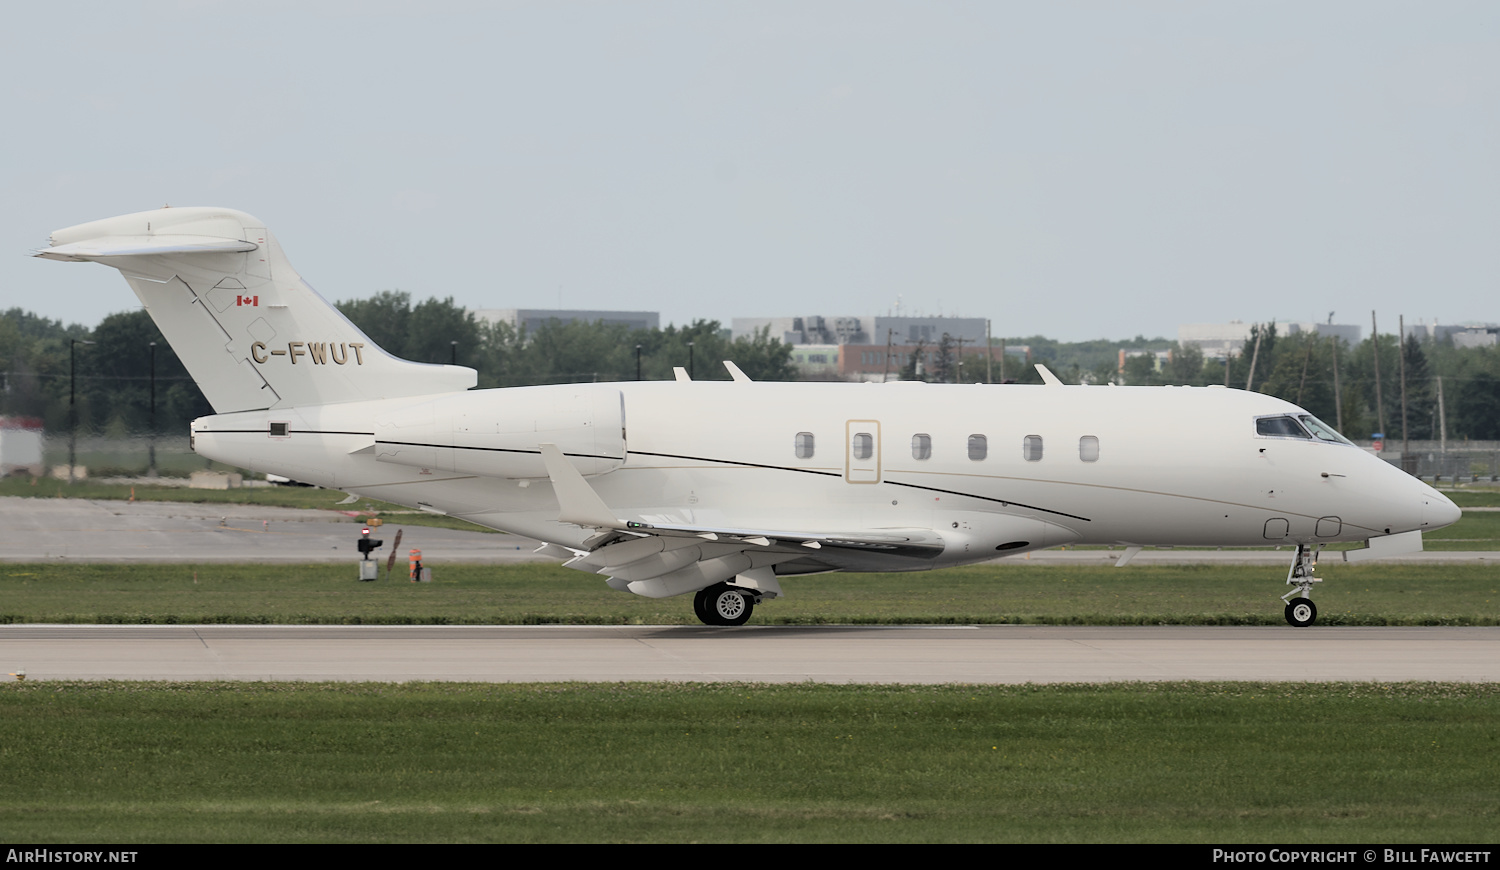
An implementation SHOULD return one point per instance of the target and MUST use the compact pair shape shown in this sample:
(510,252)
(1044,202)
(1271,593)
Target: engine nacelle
(499,433)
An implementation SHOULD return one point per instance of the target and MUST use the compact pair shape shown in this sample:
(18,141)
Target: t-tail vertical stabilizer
(251,332)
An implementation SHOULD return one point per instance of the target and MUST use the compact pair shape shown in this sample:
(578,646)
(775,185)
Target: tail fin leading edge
(250,331)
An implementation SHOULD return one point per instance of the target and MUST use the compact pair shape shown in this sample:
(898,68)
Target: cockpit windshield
(1303,426)
(1322,431)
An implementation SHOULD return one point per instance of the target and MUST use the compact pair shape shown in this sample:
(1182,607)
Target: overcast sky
(1079,170)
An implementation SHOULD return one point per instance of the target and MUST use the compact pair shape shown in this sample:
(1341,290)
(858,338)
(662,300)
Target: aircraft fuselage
(1012,467)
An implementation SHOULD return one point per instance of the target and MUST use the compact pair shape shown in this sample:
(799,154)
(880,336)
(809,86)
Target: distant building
(20,446)
(1218,340)
(1159,358)
(880,362)
(817,361)
(1477,336)
(1462,335)
(532,319)
(863,329)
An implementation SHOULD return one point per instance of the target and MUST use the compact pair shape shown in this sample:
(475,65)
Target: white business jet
(723,488)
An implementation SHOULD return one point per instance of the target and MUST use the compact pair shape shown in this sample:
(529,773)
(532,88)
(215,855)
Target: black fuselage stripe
(289,432)
(735,462)
(1002,501)
(499,449)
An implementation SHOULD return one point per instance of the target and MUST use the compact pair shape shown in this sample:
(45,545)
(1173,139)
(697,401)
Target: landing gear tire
(723,605)
(701,605)
(1301,612)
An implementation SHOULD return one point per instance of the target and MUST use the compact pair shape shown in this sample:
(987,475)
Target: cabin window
(1088,448)
(804,445)
(1031,448)
(279,430)
(921,446)
(979,447)
(863,446)
(1280,427)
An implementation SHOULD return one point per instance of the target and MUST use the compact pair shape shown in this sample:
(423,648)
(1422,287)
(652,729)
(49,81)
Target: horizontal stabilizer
(143,246)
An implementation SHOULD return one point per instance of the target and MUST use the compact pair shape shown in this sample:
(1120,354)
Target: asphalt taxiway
(775,654)
(83,530)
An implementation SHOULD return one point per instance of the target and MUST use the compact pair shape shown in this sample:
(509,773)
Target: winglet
(734,372)
(579,504)
(1048,377)
(680,374)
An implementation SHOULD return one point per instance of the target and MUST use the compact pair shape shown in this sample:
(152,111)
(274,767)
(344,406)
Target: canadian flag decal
(247,300)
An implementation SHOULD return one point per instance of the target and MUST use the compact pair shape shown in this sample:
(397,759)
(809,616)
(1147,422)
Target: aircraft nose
(1438,510)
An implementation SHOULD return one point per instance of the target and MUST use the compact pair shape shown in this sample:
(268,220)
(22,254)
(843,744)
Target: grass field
(1222,763)
(1014,592)
(1465,498)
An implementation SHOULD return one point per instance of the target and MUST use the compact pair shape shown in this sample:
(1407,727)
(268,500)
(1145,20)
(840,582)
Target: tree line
(439,331)
(112,368)
(1358,388)
(1333,380)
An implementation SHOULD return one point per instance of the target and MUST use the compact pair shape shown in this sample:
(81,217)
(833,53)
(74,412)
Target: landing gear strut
(722,604)
(1300,611)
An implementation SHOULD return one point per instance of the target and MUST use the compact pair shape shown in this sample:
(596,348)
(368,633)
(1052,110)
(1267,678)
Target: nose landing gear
(1300,611)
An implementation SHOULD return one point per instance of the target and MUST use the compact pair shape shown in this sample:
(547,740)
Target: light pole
(151,441)
(453,352)
(72,406)
(690,360)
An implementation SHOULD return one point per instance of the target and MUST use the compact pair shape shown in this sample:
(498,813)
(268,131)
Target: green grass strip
(1181,762)
(1008,592)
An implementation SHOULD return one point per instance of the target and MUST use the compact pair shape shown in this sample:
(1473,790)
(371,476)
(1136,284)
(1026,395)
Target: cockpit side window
(1280,427)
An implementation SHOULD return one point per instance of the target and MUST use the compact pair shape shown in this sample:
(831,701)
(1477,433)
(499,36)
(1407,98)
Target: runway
(772,654)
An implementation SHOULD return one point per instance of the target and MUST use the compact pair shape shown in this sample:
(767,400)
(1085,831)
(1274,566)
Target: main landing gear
(1300,611)
(722,604)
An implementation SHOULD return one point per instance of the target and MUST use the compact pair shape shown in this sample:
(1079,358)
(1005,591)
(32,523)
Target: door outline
(862,470)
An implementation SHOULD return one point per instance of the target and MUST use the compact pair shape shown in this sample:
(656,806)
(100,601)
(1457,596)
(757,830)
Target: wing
(658,560)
